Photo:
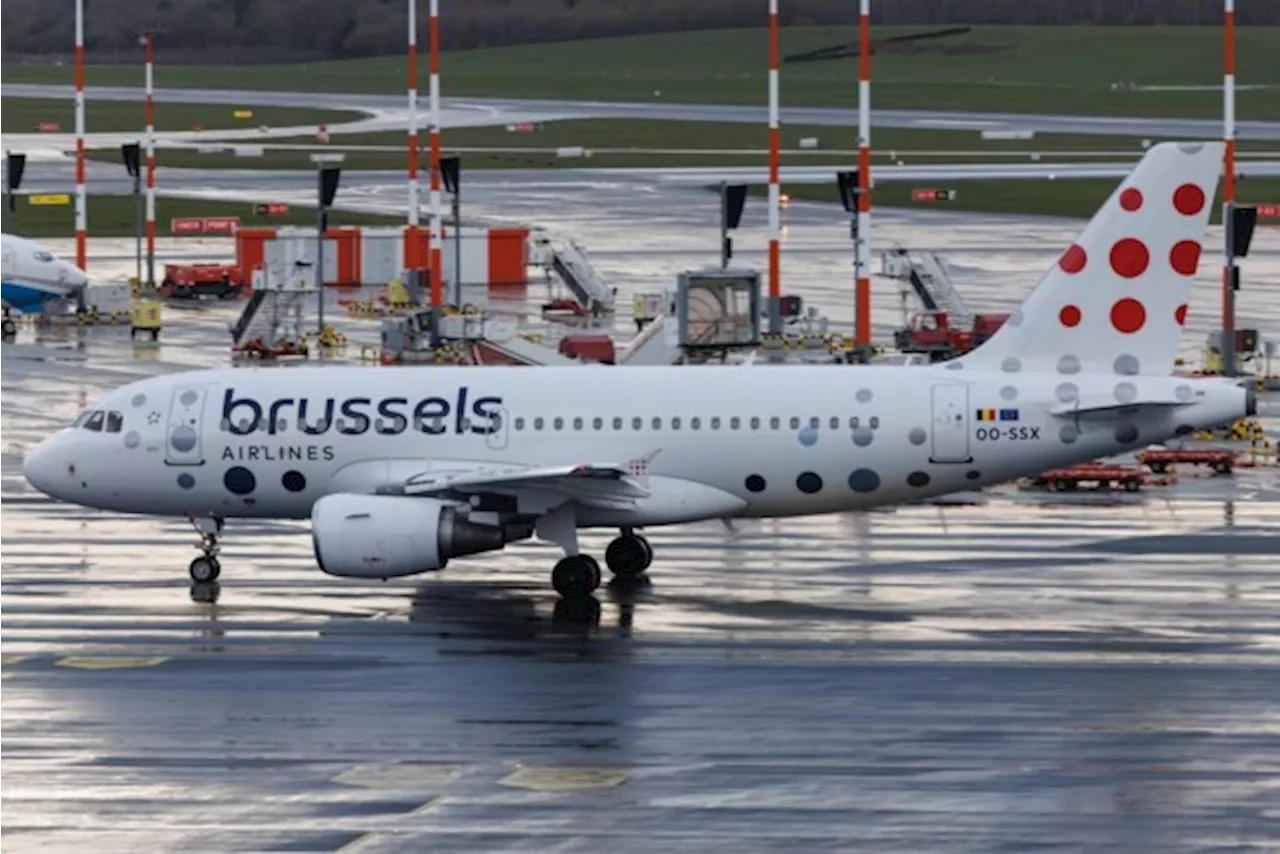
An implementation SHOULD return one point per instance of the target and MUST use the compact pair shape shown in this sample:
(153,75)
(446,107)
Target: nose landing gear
(206,568)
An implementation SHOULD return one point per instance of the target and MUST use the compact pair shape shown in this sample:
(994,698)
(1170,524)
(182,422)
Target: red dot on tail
(1129,257)
(1188,199)
(1180,315)
(1070,315)
(1131,199)
(1128,315)
(1073,260)
(1185,257)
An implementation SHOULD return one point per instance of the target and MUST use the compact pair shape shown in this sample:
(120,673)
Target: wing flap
(601,484)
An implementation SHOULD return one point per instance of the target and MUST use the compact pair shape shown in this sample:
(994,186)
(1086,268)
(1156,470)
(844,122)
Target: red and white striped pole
(775,213)
(82,213)
(151,166)
(861,260)
(413,116)
(437,225)
(1229,185)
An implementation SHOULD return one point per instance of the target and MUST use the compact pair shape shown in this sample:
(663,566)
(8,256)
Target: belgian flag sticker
(997,415)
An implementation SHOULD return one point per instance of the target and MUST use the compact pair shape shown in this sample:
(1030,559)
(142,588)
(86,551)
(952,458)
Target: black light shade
(450,172)
(1243,219)
(328,185)
(734,199)
(13,171)
(849,190)
(131,152)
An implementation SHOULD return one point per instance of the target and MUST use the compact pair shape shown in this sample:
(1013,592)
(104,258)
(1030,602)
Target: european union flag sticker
(1008,415)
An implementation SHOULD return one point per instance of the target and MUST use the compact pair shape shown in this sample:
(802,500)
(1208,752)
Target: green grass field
(642,143)
(23,115)
(1075,198)
(113,216)
(1086,70)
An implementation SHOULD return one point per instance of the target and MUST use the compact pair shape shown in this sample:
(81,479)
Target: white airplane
(402,469)
(31,275)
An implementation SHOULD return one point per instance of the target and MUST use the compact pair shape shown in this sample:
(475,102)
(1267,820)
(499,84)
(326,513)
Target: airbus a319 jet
(402,469)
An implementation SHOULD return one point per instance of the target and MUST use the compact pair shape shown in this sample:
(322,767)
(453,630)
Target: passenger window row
(100,421)
(715,422)
(617,423)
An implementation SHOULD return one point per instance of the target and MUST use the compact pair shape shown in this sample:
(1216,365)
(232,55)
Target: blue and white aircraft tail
(401,469)
(32,276)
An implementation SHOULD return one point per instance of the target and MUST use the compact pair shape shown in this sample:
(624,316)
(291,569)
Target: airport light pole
(131,152)
(150,118)
(326,189)
(82,200)
(1229,270)
(451,175)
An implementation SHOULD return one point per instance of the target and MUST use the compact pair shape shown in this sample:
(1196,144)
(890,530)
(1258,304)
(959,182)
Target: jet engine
(380,536)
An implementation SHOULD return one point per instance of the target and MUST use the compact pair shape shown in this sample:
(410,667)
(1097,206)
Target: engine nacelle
(380,536)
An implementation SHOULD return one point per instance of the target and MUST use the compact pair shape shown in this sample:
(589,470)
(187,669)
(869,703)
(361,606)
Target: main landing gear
(206,568)
(627,557)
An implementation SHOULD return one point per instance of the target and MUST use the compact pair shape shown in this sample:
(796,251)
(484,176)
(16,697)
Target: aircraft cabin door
(183,443)
(950,424)
(497,440)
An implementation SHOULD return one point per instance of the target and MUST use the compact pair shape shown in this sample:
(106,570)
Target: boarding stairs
(571,264)
(926,273)
(270,317)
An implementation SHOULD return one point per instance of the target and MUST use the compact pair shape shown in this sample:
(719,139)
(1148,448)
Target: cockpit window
(114,422)
(81,418)
(95,420)
(42,256)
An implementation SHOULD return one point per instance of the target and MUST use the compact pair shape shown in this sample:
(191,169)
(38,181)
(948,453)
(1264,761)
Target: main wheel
(204,569)
(577,575)
(628,556)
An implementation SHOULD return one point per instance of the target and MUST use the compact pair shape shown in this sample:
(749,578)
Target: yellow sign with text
(243,114)
(50,199)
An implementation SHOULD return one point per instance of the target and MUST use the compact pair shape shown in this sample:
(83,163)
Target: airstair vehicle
(573,267)
(271,323)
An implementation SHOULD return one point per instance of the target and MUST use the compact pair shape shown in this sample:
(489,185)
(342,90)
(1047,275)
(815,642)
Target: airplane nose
(74,276)
(38,467)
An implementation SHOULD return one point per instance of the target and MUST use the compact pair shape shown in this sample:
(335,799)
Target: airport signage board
(271,209)
(48,127)
(923,194)
(221,224)
(243,114)
(50,199)
(204,225)
(1269,211)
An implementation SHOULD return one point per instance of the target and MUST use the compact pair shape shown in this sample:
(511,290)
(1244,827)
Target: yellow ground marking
(400,775)
(12,659)
(92,662)
(545,779)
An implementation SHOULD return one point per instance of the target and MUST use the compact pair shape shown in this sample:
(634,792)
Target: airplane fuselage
(778,440)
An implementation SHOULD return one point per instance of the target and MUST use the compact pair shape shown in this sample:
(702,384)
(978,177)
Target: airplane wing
(600,484)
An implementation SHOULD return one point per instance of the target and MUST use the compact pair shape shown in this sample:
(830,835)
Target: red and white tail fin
(1115,301)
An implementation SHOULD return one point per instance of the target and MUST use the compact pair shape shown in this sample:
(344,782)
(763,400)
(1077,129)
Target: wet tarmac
(1009,671)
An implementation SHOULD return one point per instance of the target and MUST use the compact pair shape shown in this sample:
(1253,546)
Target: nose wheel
(206,568)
